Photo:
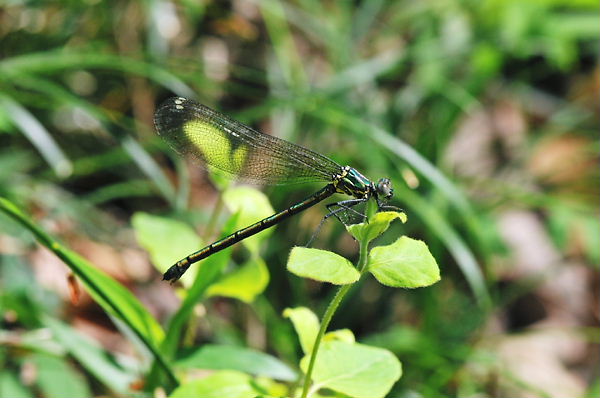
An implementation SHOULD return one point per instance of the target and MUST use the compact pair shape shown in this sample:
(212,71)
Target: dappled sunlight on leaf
(306,325)
(244,283)
(405,263)
(356,370)
(376,226)
(321,265)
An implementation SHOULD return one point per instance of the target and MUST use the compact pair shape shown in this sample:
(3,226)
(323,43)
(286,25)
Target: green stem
(337,299)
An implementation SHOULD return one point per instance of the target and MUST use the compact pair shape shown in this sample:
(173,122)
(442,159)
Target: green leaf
(591,236)
(321,265)
(115,299)
(167,241)
(405,263)
(219,178)
(436,222)
(253,206)
(345,335)
(270,388)
(95,359)
(10,386)
(226,383)
(376,226)
(221,357)
(355,369)
(306,324)
(245,283)
(56,378)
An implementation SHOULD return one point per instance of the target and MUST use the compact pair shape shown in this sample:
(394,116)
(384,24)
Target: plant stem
(337,299)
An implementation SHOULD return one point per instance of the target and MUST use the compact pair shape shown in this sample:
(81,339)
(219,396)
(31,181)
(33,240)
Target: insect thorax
(351,182)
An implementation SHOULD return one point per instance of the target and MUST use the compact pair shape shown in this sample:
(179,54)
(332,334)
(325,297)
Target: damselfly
(246,154)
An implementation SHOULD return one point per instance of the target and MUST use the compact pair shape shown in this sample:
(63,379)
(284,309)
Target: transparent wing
(218,141)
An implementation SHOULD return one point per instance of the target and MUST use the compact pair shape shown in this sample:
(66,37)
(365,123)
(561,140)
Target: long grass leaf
(37,134)
(109,294)
(283,43)
(93,357)
(452,241)
(135,151)
(59,60)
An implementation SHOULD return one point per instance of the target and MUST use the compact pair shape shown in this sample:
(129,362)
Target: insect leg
(344,205)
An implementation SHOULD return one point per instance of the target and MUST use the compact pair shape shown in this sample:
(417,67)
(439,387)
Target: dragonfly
(219,142)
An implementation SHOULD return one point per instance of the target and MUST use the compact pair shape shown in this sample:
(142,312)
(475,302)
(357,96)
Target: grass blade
(60,60)
(109,294)
(37,134)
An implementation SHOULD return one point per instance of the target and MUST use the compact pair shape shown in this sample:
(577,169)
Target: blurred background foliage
(483,113)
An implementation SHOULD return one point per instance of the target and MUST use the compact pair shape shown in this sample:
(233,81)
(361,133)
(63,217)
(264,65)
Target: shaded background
(499,100)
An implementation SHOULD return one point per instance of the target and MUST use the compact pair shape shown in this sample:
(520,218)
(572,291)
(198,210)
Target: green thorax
(353,183)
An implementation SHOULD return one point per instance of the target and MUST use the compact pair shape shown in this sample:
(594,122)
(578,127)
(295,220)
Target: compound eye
(384,188)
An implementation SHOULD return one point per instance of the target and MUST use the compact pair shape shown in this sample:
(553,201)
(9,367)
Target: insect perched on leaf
(245,154)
